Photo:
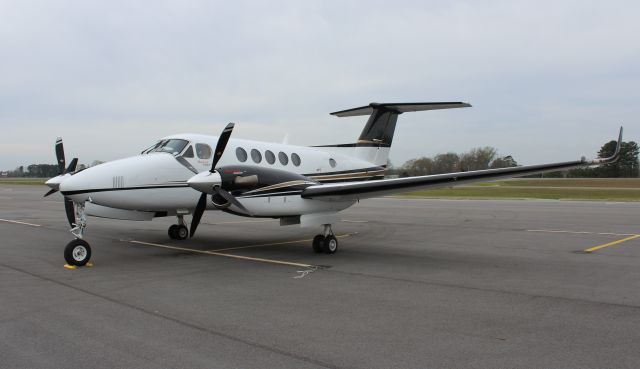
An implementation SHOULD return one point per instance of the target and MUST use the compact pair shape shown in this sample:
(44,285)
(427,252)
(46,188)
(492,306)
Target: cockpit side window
(172,146)
(188,152)
(203,151)
(152,147)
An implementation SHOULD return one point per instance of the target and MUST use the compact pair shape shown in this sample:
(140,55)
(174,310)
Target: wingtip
(620,135)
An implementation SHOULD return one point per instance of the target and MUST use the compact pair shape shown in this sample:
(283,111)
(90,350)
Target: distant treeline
(42,170)
(488,158)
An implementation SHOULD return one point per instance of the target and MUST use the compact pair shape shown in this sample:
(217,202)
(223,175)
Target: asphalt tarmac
(415,284)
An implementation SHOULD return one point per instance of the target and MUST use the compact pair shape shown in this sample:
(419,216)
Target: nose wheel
(326,243)
(179,231)
(77,252)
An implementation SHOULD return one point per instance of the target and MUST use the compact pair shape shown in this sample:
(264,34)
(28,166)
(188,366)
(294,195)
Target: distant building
(4,174)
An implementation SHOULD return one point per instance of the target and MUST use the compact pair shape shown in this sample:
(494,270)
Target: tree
(503,162)
(625,166)
(418,167)
(446,163)
(478,158)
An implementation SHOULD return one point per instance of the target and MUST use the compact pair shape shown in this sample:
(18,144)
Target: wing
(366,189)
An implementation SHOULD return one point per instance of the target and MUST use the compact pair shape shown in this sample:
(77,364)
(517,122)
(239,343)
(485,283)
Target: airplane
(182,175)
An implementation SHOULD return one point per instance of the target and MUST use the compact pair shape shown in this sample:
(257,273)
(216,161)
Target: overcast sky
(548,81)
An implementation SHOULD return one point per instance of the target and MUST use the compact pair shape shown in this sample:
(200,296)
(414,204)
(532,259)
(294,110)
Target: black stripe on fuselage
(360,144)
(282,193)
(93,190)
(369,169)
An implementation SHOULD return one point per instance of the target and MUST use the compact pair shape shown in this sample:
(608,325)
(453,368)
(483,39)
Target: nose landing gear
(78,251)
(325,243)
(179,231)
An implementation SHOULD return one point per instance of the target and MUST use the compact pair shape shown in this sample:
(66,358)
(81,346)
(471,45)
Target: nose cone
(75,186)
(205,181)
(54,183)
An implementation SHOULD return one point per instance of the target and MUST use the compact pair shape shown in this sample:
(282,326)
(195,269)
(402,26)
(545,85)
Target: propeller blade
(72,166)
(229,197)
(60,155)
(197,214)
(71,213)
(51,191)
(222,144)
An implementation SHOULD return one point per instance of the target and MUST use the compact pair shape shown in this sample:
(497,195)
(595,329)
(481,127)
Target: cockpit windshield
(173,146)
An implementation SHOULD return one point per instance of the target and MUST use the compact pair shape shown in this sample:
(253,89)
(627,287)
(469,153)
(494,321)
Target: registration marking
(18,222)
(206,252)
(595,248)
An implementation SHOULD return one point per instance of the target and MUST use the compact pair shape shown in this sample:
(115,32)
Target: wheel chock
(73,267)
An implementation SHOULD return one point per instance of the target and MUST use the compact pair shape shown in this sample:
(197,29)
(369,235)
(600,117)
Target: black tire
(182,232)
(172,232)
(77,252)
(317,244)
(330,244)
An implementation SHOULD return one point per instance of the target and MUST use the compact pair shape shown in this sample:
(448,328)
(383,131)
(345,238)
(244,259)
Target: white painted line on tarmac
(261,260)
(240,222)
(278,243)
(19,222)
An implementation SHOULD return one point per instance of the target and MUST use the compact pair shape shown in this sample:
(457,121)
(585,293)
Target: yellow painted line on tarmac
(580,232)
(595,248)
(206,252)
(18,222)
(277,243)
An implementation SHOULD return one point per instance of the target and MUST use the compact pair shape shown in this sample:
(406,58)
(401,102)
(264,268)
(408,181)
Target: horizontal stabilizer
(400,108)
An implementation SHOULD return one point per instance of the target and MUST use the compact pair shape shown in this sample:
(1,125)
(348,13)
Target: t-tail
(377,136)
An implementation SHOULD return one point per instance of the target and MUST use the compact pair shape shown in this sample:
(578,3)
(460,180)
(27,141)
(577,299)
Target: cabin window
(256,156)
(295,159)
(270,157)
(188,153)
(332,162)
(203,151)
(284,159)
(241,154)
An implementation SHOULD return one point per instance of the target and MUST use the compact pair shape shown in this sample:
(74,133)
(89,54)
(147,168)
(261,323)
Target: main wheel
(172,232)
(182,233)
(317,243)
(77,252)
(330,244)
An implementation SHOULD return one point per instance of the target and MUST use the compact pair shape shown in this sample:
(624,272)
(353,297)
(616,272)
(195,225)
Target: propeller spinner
(211,183)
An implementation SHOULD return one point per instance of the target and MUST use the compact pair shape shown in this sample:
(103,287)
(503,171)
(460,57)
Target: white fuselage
(156,181)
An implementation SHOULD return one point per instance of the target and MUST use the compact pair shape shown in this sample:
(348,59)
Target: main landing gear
(179,231)
(78,251)
(325,243)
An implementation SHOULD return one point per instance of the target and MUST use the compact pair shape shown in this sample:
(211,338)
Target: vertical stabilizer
(374,142)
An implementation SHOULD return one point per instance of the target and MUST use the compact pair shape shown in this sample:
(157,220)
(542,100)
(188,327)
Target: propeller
(60,155)
(216,190)
(63,172)
(54,183)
